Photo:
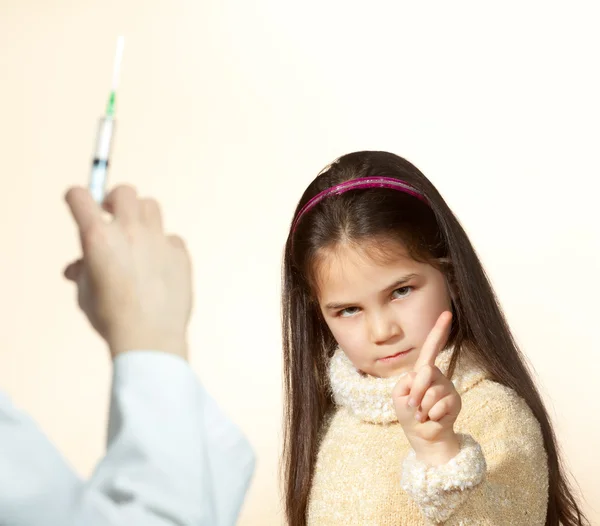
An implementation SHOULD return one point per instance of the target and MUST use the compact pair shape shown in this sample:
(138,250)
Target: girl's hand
(427,403)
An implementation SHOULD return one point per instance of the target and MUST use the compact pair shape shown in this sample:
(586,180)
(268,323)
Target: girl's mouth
(394,357)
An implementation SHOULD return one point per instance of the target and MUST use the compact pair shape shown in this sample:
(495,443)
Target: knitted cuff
(439,490)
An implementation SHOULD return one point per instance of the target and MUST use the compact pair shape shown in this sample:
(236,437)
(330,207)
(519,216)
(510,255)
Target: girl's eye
(402,292)
(347,312)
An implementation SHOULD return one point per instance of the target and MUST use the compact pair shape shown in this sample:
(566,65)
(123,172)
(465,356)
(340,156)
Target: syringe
(97,185)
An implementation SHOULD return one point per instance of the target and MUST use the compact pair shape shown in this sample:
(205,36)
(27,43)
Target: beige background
(227,109)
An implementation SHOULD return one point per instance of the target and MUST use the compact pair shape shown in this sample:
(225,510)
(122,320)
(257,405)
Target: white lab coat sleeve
(172,458)
(36,485)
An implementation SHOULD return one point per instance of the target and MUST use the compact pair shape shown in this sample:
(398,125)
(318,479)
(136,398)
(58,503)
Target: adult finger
(435,341)
(123,204)
(150,214)
(73,270)
(85,211)
(176,241)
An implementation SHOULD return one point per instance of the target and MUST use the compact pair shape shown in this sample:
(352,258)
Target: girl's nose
(383,327)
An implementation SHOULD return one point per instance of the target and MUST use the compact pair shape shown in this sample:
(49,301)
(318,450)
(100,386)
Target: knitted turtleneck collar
(370,398)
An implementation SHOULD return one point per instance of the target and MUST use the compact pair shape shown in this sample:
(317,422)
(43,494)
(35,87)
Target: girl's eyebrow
(397,284)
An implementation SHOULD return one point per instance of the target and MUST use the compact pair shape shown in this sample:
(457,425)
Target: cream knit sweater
(367,475)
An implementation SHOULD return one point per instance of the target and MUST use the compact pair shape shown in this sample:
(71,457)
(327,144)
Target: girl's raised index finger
(435,341)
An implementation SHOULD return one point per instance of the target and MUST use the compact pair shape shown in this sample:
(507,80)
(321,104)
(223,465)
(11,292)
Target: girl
(407,399)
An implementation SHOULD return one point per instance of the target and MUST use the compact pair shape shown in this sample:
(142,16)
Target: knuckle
(176,240)
(150,210)
(178,243)
(431,396)
(437,411)
(429,372)
(122,193)
(457,400)
(94,235)
(125,189)
(151,205)
(401,386)
(427,403)
(424,377)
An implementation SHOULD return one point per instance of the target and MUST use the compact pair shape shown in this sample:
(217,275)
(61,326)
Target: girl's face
(380,313)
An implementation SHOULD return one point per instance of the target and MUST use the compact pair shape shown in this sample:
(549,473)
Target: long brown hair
(431,233)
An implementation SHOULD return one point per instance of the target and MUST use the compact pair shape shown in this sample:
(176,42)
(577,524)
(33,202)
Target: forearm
(174,449)
(173,458)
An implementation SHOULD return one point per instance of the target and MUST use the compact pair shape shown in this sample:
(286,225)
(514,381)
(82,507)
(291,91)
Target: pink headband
(358,184)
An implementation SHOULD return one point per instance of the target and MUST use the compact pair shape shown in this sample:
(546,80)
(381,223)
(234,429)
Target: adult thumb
(73,270)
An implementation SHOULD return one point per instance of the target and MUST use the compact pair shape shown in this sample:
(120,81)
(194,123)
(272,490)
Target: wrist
(439,451)
(147,341)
